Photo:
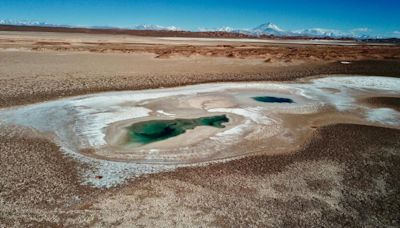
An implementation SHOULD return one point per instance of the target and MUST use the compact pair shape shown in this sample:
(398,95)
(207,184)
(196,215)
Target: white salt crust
(80,122)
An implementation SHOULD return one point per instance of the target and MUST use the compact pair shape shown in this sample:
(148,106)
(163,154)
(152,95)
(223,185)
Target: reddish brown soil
(388,102)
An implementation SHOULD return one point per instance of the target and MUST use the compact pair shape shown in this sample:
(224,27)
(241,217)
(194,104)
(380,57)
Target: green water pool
(156,130)
(270,99)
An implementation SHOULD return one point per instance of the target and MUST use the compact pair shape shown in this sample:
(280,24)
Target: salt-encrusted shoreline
(80,122)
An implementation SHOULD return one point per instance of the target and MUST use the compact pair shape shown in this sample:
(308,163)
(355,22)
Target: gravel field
(346,175)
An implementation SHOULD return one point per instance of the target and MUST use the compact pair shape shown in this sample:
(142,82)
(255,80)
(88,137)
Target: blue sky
(380,17)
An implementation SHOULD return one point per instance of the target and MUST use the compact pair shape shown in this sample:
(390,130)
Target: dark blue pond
(269,99)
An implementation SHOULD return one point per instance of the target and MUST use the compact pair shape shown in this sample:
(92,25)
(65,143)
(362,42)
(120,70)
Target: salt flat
(330,158)
(95,122)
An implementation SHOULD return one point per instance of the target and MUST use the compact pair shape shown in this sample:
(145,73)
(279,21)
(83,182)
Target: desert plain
(334,161)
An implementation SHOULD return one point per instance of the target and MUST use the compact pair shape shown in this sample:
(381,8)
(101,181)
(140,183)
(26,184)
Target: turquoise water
(157,130)
(269,99)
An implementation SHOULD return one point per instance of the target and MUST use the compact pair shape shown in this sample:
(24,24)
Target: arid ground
(343,174)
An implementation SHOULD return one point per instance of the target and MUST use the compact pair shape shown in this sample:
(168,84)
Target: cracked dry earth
(346,175)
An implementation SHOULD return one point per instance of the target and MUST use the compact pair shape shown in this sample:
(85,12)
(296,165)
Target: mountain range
(274,30)
(263,29)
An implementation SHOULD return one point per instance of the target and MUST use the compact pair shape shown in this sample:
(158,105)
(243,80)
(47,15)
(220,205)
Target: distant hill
(265,31)
(137,32)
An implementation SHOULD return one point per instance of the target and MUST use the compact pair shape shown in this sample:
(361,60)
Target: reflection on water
(157,130)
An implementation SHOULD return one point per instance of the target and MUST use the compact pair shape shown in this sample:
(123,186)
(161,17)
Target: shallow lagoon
(156,130)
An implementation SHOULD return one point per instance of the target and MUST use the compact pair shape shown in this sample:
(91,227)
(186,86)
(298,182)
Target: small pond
(156,130)
(270,99)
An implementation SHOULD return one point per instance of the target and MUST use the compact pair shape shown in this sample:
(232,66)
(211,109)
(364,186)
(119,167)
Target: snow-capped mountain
(39,23)
(333,33)
(319,32)
(26,23)
(274,30)
(155,27)
(221,29)
(226,29)
(263,29)
(268,29)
